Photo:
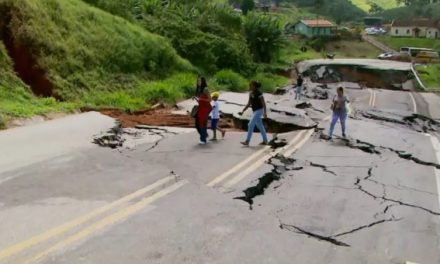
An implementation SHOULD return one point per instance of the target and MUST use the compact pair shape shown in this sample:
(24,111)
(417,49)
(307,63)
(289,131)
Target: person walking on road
(299,87)
(256,101)
(204,109)
(215,117)
(340,111)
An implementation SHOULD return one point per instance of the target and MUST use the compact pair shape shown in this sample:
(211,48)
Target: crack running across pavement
(284,164)
(323,167)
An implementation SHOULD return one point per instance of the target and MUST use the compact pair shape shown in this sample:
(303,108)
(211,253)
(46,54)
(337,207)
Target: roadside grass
(292,53)
(269,82)
(16,98)
(430,75)
(398,42)
(352,49)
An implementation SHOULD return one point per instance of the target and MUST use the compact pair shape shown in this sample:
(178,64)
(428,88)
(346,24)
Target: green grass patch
(227,80)
(292,52)
(398,42)
(170,90)
(352,49)
(430,75)
(16,98)
(269,82)
(365,4)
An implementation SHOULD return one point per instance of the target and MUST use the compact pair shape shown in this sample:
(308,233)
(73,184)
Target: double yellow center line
(244,168)
(148,195)
(82,227)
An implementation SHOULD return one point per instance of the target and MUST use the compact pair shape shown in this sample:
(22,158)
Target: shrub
(269,82)
(2,121)
(230,81)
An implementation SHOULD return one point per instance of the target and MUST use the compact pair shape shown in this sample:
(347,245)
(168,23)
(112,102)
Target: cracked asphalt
(161,198)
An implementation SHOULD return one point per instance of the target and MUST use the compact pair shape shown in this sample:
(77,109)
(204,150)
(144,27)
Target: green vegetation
(229,80)
(269,81)
(131,54)
(410,12)
(367,4)
(430,75)
(337,10)
(17,100)
(352,49)
(398,42)
(264,37)
(82,48)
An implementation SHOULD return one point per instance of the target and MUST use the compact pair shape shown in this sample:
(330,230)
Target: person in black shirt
(256,101)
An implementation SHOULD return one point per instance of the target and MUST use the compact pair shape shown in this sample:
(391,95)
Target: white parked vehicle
(385,56)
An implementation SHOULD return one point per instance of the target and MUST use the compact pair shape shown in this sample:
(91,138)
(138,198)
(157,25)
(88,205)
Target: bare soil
(158,117)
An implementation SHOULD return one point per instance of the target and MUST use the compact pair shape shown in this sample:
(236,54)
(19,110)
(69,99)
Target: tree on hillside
(374,8)
(264,36)
(247,5)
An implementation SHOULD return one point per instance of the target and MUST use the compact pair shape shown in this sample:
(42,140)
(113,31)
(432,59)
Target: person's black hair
(203,83)
(256,84)
(340,88)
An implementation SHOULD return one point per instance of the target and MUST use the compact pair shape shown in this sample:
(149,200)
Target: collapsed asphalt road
(158,197)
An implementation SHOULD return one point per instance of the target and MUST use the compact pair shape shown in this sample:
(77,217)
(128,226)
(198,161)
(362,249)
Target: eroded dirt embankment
(25,63)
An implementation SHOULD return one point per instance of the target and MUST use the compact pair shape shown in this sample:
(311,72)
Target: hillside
(337,10)
(410,12)
(62,48)
(366,4)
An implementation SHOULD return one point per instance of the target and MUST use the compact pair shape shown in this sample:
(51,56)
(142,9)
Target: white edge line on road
(436,146)
(370,102)
(108,221)
(261,161)
(414,102)
(374,98)
(59,230)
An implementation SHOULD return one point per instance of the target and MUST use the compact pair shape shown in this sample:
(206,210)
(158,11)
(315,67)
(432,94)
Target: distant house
(417,28)
(314,28)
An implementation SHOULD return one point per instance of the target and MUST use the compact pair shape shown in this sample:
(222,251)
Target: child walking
(215,117)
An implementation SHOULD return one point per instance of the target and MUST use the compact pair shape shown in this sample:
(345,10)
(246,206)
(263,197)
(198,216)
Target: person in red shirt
(205,108)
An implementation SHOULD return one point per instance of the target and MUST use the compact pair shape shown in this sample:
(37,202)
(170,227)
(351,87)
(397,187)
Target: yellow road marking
(236,167)
(108,221)
(288,153)
(17,248)
(260,161)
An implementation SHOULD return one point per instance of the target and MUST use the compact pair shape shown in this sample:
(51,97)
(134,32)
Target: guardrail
(419,82)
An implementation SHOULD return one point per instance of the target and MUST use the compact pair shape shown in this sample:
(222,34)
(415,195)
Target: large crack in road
(284,164)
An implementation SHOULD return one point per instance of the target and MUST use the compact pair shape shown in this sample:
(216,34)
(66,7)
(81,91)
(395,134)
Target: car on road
(385,56)
(375,31)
